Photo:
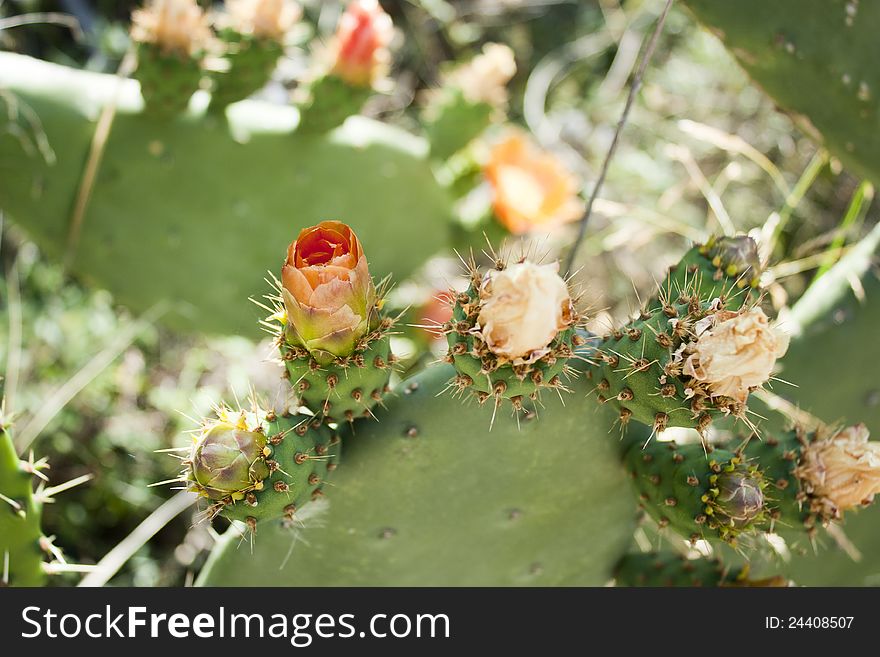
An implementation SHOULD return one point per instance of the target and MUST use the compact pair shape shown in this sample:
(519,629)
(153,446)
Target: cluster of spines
(483,375)
(300,454)
(727,268)
(638,369)
(23,545)
(342,389)
(698,491)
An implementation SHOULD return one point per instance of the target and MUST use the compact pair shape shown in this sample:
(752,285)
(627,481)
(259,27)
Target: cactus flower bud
(522,308)
(531,189)
(735,353)
(264,19)
(228,461)
(361,43)
(843,471)
(328,292)
(174,26)
(740,497)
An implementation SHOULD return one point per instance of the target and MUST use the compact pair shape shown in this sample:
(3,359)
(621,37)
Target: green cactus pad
(167,80)
(700,495)
(305,452)
(429,497)
(482,375)
(666,569)
(251,62)
(249,184)
(636,371)
(817,59)
(331,101)
(724,267)
(21,554)
(295,455)
(343,389)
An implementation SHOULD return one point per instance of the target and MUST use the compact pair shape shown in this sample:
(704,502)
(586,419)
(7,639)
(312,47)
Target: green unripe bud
(227,461)
(737,257)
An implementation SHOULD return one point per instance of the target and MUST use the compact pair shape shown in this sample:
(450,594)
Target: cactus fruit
(171,38)
(817,475)
(21,539)
(666,568)
(512,333)
(688,358)
(792,47)
(701,493)
(253,33)
(257,465)
(334,341)
(520,505)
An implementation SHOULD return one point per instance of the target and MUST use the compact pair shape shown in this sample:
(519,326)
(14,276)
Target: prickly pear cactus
(518,505)
(698,491)
(21,553)
(794,47)
(654,369)
(256,174)
(486,370)
(257,466)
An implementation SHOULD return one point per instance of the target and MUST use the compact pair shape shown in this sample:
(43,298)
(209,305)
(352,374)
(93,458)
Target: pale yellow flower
(735,354)
(842,471)
(174,26)
(522,308)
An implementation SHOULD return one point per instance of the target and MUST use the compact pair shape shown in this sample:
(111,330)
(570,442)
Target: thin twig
(630,99)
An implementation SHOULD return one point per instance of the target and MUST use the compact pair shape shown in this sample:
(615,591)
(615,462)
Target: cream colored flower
(522,308)
(484,79)
(736,353)
(178,26)
(843,471)
(265,19)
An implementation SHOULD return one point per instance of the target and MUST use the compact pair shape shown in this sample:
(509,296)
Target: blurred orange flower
(531,188)
(361,43)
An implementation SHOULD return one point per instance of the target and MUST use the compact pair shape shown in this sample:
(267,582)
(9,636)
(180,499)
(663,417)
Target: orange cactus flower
(531,188)
(328,292)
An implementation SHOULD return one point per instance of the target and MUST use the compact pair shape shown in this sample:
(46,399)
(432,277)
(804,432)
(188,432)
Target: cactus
(486,365)
(520,505)
(794,47)
(21,539)
(724,267)
(673,569)
(654,368)
(256,466)
(259,173)
(702,493)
